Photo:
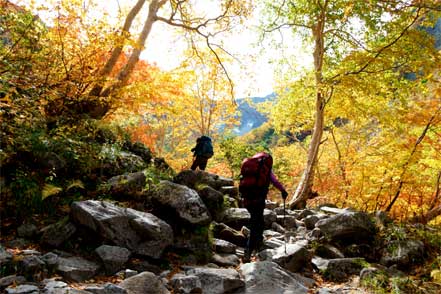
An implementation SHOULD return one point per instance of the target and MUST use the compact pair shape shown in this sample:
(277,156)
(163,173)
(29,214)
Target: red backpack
(255,172)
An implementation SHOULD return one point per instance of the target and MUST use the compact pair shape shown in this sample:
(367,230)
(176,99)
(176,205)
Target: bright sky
(254,70)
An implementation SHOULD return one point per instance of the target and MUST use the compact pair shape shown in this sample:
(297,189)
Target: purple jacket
(276,182)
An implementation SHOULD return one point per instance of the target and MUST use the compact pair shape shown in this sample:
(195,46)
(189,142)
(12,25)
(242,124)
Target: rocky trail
(187,236)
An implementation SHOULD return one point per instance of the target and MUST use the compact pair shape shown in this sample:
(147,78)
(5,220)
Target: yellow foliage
(436,275)
(50,190)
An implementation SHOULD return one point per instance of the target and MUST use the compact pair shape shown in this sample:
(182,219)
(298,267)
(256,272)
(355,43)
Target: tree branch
(419,140)
(379,52)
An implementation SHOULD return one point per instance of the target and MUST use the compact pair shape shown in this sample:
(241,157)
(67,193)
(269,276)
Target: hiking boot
(246,256)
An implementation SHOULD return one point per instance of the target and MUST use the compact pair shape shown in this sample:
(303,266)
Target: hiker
(202,152)
(256,176)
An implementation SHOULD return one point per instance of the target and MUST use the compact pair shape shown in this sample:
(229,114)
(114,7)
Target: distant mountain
(250,117)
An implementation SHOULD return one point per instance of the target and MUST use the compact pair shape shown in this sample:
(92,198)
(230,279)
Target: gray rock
(353,227)
(271,205)
(278,228)
(294,259)
(231,191)
(127,184)
(30,265)
(108,288)
(185,284)
(56,234)
(380,276)
(76,268)
(304,213)
(289,222)
(51,259)
(18,243)
(113,257)
(403,253)
(140,232)
(268,277)
(217,281)
(269,217)
(328,251)
(192,178)
(224,232)
(236,218)
(310,221)
(320,263)
(12,279)
(181,202)
(340,269)
(144,283)
(222,246)
(27,231)
(50,284)
(213,200)
(225,260)
(23,289)
(5,257)
(141,150)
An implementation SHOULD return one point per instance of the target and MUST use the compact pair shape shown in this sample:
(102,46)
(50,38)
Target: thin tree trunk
(110,64)
(125,72)
(304,188)
(420,139)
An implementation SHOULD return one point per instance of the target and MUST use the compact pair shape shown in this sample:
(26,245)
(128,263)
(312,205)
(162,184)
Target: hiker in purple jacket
(254,191)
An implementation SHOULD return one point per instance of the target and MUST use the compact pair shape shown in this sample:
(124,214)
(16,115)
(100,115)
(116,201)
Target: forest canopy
(359,128)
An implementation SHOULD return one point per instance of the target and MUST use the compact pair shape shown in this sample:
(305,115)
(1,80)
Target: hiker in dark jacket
(202,152)
(254,202)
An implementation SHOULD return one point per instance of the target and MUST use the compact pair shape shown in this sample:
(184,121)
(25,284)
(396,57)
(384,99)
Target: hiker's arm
(276,182)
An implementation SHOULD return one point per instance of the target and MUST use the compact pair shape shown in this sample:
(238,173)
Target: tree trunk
(107,69)
(125,72)
(304,188)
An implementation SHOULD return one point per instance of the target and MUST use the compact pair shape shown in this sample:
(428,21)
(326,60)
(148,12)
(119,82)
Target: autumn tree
(180,14)
(348,39)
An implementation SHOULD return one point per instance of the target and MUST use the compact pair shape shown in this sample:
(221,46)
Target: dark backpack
(204,147)
(255,172)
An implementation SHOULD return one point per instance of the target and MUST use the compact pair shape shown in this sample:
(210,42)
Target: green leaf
(50,190)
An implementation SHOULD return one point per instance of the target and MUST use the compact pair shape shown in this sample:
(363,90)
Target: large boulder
(178,203)
(116,162)
(224,232)
(403,253)
(340,269)
(76,268)
(292,257)
(142,151)
(352,227)
(140,232)
(192,179)
(217,280)
(56,234)
(236,218)
(126,185)
(144,283)
(269,277)
(113,257)
(213,199)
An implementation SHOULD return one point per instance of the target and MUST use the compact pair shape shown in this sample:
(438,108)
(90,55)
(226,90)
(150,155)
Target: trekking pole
(284,235)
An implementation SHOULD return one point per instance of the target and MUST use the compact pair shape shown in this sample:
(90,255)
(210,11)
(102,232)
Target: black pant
(255,204)
(199,161)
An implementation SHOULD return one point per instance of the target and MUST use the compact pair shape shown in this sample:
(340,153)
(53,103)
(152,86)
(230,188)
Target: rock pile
(197,219)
